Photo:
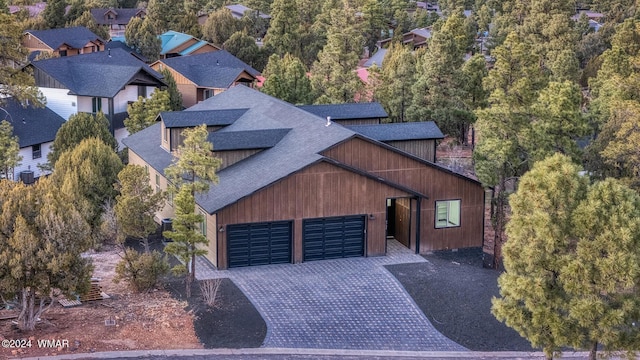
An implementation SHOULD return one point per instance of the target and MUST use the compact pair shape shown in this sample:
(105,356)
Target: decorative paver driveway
(337,304)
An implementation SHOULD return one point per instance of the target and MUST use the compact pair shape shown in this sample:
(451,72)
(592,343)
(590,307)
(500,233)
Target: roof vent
(217,62)
(109,52)
(328,121)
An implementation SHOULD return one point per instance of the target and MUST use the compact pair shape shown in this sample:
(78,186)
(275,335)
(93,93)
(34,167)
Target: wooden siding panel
(437,184)
(423,149)
(231,157)
(321,190)
(348,122)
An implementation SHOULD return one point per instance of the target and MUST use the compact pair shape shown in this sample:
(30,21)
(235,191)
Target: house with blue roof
(202,76)
(106,81)
(295,187)
(36,128)
(63,42)
(175,43)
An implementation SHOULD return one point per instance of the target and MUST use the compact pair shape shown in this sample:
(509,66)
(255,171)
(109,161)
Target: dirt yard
(152,320)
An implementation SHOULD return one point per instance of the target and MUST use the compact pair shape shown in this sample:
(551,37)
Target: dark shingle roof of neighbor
(216,69)
(123,16)
(400,131)
(377,58)
(121,45)
(31,125)
(248,139)
(347,111)
(76,37)
(299,148)
(100,74)
(173,119)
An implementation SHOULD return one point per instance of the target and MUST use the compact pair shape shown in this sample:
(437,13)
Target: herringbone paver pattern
(350,303)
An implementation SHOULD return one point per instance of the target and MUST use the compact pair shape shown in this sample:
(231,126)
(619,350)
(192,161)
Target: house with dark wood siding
(295,187)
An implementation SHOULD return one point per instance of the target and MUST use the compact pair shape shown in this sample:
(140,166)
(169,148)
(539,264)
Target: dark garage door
(334,237)
(259,243)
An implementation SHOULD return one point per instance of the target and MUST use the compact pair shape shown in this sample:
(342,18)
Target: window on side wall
(157,183)
(96,105)
(36,151)
(203,224)
(447,213)
(142,91)
(207,94)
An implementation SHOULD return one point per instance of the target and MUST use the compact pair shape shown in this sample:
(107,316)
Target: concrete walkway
(350,303)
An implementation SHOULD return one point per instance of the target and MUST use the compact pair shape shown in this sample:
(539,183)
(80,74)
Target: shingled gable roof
(176,119)
(347,111)
(76,37)
(216,69)
(173,39)
(299,148)
(100,74)
(30,124)
(247,139)
(423,130)
(123,16)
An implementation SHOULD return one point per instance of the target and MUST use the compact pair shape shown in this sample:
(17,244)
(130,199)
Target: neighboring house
(34,10)
(376,59)
(104,81)
(63,41)
(417,38)
(349,114)
(416,138)
(238,11)
(178,44)
(116,19)
(293,189)
(36,129)
(202,76)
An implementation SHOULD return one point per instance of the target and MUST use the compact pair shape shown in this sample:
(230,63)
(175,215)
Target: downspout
(111,110)
(418,221)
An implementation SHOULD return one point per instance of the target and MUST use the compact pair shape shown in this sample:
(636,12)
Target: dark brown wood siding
(44,80)
(231,157)
(348,122)
(320,190)
(436,183)
(424,149)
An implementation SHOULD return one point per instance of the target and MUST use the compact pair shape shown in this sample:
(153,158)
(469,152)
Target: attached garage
(259,243)
(333,237)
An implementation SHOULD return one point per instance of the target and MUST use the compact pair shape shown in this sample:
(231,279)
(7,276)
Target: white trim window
(447,213)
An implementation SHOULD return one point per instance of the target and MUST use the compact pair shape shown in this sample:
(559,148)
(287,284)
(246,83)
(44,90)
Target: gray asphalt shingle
(347,111)
(174,119)
(248,139)
(76,37)
(400,131)
(216,69)
(100,74)
(32,125)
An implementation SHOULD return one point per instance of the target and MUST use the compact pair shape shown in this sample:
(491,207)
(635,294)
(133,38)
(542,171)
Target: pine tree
(16,82)
(333,76)
(219,27)
(9,151)
(137,204)
(144,112)
(244,47)
(53,14)
(77,8)
(191,173)
(397,77)
(80,126)
(87,20)
(42,237)
(283,35)
(86,175)
(149,45)
(287,80)
(163,14)
(175,97)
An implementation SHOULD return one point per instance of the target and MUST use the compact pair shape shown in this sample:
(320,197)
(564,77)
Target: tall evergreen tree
(219,27)
(283,35)
(244,47)
(144,112)
(53,14)
(333,75)
(175,97)
(87,20)
(9,151)
(287,80)
(162,15)
(397,77)
(191,173)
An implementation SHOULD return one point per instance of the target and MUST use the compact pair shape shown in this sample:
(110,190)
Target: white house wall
(126,95)
(29,163)
(60,102)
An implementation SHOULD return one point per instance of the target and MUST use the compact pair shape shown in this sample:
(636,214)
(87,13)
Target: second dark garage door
(333,237)
(259,243)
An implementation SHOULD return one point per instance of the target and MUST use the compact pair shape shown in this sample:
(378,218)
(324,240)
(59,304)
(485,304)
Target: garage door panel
(334,237)
(259,243)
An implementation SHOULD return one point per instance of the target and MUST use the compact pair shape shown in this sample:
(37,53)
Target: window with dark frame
(157,183)
(36,151)
(96,105)
(142,91)
(203,224)
(447,214)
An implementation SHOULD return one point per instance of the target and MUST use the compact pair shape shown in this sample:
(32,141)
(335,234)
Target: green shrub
(142,271)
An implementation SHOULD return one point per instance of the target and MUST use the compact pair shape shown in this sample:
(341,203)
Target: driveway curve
(337,304)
